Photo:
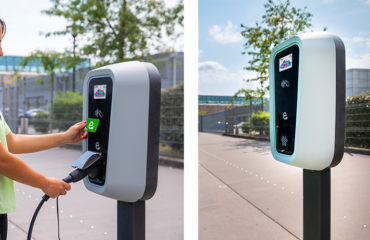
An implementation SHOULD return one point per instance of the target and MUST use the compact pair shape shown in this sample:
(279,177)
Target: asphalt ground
(245,194)
(86,215)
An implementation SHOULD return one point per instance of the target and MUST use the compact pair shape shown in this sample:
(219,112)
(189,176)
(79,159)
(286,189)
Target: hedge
(358,121)
(172,119)
(259,122)
(67,109)
(41,122)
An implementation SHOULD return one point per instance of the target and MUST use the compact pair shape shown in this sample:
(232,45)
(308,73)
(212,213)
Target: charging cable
(74,176)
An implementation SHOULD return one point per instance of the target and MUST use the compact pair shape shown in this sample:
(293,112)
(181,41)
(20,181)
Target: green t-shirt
(7,197)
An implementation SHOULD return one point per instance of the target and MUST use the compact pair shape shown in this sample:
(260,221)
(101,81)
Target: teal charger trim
(281,47)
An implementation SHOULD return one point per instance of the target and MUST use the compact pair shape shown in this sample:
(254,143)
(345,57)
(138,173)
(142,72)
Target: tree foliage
(119,30)
(74,27)
(279,22)
(50,62)
(67,109)
(40,122)
(249,96)
(260,122)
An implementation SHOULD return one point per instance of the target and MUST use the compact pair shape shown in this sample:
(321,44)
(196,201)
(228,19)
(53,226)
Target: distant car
(31,113)
(5,111)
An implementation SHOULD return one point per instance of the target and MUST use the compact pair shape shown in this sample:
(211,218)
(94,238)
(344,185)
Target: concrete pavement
(85,215)
(245,194)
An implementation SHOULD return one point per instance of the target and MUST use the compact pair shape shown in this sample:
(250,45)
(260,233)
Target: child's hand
(55,187)
(76,133)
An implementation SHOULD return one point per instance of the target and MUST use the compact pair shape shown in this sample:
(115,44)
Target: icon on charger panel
(284,140)
(98,113)
(97,146)
(285,116)
(285,84)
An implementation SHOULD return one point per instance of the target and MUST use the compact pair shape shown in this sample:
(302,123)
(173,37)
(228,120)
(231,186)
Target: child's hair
(3,26)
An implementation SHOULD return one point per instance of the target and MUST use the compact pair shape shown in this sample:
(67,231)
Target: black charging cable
(73,176)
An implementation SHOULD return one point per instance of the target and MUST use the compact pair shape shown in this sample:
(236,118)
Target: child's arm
(14,168)
(18,143)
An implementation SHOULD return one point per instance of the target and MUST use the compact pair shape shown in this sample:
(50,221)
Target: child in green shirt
(13,168)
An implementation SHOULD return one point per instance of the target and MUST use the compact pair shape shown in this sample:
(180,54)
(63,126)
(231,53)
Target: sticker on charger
(92,125)
(286,62)
(100,91)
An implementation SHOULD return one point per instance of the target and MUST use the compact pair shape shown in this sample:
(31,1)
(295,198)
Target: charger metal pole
(316,204)
(131,220)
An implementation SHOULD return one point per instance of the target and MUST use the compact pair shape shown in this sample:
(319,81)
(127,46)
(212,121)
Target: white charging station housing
(307,100)
(126,99)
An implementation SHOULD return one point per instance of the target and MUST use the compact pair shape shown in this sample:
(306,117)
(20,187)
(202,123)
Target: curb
(171,162)
(247,137)
(163,161)
(363,151)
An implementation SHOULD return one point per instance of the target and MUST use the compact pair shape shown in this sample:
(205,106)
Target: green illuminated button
(92,124)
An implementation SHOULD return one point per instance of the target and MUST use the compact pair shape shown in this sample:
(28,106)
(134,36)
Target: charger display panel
(99,107)
(286,65)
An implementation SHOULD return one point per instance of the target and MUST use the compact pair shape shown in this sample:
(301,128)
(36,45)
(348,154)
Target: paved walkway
(245,194)
(85,215)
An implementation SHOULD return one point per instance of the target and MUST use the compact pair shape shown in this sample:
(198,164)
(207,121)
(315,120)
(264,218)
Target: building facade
(357,81)
(34,86)
(171,67)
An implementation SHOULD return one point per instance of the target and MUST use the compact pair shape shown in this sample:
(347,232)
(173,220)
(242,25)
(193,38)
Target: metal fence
(29,98)
(231,121)
(213,122)
(228,121)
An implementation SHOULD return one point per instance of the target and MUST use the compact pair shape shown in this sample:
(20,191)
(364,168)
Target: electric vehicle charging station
(121,103)
(307,107)
(125,98)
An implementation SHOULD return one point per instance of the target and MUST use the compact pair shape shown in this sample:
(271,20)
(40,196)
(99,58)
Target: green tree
(249,95)
(260,122)
(201,112)
(120,30)
(280,22)
(75,28)
(67,109)
(40,122)
(51,62)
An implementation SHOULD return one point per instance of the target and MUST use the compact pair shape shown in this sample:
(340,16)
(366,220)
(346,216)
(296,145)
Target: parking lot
(245,194)
(85,215)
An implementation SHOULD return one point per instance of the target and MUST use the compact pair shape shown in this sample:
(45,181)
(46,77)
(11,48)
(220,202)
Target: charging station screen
(286,62)
(100,91)
(286,91)
(98,119)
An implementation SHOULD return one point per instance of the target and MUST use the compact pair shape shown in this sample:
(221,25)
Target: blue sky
(220,44)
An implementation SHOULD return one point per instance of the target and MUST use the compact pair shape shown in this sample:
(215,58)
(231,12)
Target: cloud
(357,50)
(216,79)
(225,34)
(200,52)
(358,61)
(328,1)
(360,39)
(211,66)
